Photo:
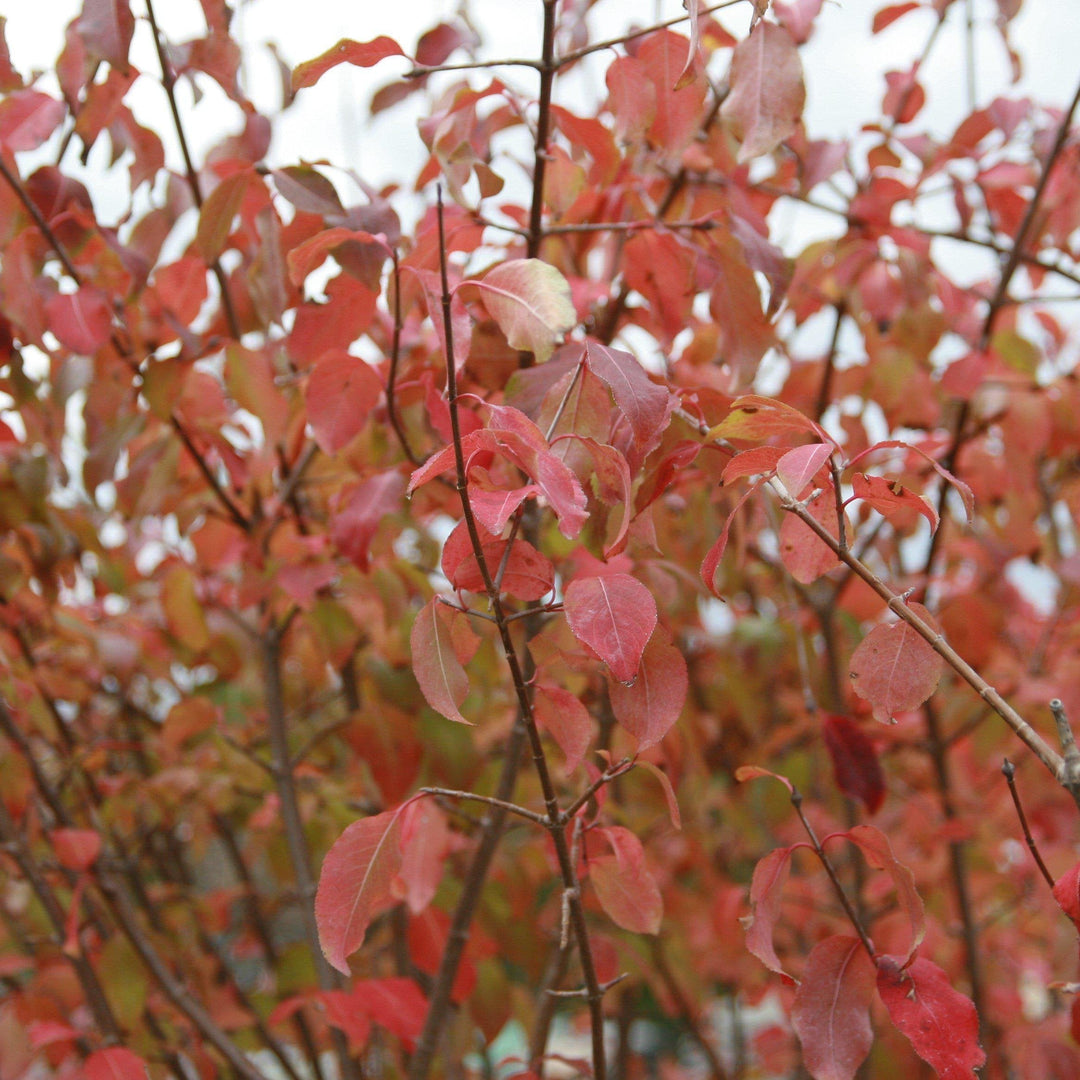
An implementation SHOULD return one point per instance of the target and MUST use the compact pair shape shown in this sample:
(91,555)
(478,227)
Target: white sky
(844,64)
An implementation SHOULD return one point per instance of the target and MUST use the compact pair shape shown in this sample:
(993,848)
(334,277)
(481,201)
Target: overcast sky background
(844,64)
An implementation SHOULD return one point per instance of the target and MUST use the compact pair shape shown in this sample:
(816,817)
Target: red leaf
(615,616)
(494,507)
(342,1012)
(107,27)
(878,852)
(346,51)
(888,497)
(895,668)
(530,301)
(669,791)
(767,91)
(28,118)
(526,573)
(308,190)
(766,894)
(689,71)
(396,1004)
(442,679)
(645,404)
(940,1023)
(649,708)
(831,1014)
(115,1063)
(562,715)
(888,15)
(356,884)
(805,555)
(312,253)
(855,762)
(624,886)
(435,46)
(759,459)
(353,527)
(76,849)
(678,111)
(612,472)
(80,320)
(341,392)
(1067,894)
(798,467)
(716,552)
(427,936)
(426,840)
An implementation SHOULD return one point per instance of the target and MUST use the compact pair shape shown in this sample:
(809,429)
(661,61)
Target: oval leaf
(624,886)
(442,679)
(939,1022)
(650,707)
(895,668)
(767,90)
(855,762)
(831,1014)
(356,884)
(615,616)
(341,392)
(80,320)
(530,300)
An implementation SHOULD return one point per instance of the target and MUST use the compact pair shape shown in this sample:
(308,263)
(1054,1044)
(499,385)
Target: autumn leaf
(1067,894)
(624,886)
(855,762)
(939,1022)
(649,708)
(562,715)
(436,666)
(767,91)
(798,467)
(895,668)
(802,551)
(766,895)
(341,392)
(107,27)
(530,301)
(831,1014)
(28,118)
(114,1063)
(76,849)
(356,884)
(81,320)
(358,53)
(615,616)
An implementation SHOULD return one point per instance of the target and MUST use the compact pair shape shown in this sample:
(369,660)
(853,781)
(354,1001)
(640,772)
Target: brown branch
(292,821)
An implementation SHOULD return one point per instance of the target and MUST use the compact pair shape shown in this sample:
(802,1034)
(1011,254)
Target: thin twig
(1009,769)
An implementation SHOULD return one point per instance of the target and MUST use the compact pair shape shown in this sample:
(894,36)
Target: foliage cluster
(418,639)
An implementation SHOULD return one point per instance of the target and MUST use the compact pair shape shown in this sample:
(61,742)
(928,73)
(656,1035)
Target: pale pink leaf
(530,301)
(767,90)
(28,118)
(80,320)
(615,616)
(798,467)
(107,27)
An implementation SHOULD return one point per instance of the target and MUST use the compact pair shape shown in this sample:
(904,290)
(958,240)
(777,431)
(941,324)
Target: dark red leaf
(940,1023)
(855,762)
